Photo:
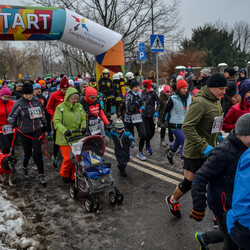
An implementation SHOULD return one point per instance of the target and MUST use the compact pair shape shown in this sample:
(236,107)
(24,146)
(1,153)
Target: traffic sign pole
(157,76)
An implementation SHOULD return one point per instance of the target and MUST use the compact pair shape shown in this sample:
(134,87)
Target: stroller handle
(78,137)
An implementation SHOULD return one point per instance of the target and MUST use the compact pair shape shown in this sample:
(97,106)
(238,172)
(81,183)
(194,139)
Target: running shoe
(141,156)
(173,207)
(149,151)
(34,166)
(54,161)
(203,245)
(25,173)
(170,156)
(130,157)
(43,182)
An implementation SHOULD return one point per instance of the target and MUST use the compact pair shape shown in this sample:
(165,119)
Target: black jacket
(231,90)
(20,115)
(150,99)
(106,87)
(218,173)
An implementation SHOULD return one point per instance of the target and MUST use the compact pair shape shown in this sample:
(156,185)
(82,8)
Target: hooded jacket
(21,115)
(163,101)
(5,108)
(68,117)
(197,125)
(150,98)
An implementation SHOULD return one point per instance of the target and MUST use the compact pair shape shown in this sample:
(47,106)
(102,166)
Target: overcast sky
(195,13)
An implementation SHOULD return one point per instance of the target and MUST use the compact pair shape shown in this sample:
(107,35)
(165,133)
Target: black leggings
(55,147)
(29,144)
(170,134)
(5,143)
(150,129)
(141,132)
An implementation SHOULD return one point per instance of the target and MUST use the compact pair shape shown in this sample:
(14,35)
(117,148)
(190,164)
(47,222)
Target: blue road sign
(141,55)
(141,47)
(157,43)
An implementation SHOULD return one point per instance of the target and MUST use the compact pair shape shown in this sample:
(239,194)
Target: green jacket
(197,125)
(68,117)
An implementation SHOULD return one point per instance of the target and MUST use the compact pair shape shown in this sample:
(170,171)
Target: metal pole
(152,20)
(141,66)
(157,76)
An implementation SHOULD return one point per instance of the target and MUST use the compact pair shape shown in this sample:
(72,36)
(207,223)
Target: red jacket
(2,171)
(233,115)
(54,100)
(5,108)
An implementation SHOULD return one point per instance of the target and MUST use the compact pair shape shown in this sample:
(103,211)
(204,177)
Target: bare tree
(242,36)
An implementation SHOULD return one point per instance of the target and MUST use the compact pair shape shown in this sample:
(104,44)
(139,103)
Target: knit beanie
(231,72)
(41,82)
(242,126)
(147,83)
(83,82)
(119,125)
(187,69)
(166,88)
(27,88)
(64,84)
(10,85)
(133,84)
(244,87)
(182,84)
(36,86)
(205,71)
(217,80)
(5,91)
(244,71)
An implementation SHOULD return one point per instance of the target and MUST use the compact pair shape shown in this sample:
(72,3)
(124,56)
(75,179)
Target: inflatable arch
(54,23)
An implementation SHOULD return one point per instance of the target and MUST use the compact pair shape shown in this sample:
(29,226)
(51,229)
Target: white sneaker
(141,156)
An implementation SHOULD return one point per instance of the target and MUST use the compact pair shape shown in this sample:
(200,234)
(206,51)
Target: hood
(69,92)
(90,91)
(204,92)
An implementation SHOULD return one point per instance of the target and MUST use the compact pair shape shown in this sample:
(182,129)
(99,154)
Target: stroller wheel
(88,206)
(95,203)
(112,198)
(73,191)
(119,196)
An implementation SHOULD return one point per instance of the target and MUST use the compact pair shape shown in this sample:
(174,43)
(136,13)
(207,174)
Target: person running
(177,108)
(6,130)
(54,100)
(239,109)
(133,116)
(201,128)
(28,116)
(69,116)
(149,112)
(218,174)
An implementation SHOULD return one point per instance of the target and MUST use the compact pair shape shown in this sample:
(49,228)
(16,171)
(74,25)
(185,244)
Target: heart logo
(94,109)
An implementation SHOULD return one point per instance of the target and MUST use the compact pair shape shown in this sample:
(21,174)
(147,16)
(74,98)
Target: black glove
(67,133)
(109,126)
(44,129)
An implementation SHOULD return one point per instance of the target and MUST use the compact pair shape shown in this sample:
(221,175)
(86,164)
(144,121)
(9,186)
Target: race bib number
(94,129)
(35,113)
(136,118)
(217,124)
(77,148)
(7,129)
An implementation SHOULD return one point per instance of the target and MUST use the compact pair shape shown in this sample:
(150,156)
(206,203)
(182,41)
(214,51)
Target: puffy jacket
(150,98)
(238,218)
(218,173)
(5,108)
(21,115)
(197,125)
(234,113)
(68,117)
(54,100)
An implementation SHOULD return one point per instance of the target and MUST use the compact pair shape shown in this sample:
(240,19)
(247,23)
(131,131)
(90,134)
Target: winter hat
(71,82)
(5,91)
(231,72)
(181,73)
(83,82)
(244,87)
(173,76)
(133,84)
(41,82)
(10,85)
(36,86)
(205,71)
(244,71)
(27,88)
(64,84)
(242,126)
(119,125)
(217,80)
(187,69)
(195,91)
(147,83)
(90,91)
(166,88)
(182,84)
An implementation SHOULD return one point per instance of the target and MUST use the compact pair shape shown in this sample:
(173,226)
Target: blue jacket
(218,173)
(238,218)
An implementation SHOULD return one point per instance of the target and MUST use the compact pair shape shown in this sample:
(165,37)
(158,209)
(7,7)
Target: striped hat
(119,125)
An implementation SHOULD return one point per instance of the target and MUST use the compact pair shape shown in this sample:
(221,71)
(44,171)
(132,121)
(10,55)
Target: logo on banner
(81,23)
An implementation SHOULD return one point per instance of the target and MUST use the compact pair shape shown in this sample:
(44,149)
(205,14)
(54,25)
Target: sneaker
(141,156)
(54,161)
(198,237)
(173,207)
(25,173)
(34,166)
(43,182)
(170,157)
(163,143)
(149,151)
(130,157)
(123,173)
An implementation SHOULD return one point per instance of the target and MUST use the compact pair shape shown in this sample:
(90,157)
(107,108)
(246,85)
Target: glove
(197,215)
(163,125)
(67,133)
(142,108)
(44,129)
(207,150)
(132,144)
(221,138)
(156,114)
(109,126)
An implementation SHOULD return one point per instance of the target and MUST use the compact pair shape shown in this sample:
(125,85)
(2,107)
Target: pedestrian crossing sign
(157,43)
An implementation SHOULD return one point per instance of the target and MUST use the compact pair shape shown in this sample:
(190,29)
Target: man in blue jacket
(216,178)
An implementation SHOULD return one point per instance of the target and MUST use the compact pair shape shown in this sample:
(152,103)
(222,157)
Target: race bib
(77,148)
(217,124)
(136,118)
(94,129)
(7,129)
(35,113)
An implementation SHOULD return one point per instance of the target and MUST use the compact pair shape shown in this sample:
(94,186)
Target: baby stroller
(92,175)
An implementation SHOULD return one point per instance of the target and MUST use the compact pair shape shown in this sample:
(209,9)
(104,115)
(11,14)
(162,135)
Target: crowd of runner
(193,111)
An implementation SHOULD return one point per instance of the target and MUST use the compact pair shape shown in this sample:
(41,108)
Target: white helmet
(130,75)
(116,77)
(120,74)
(105,71)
